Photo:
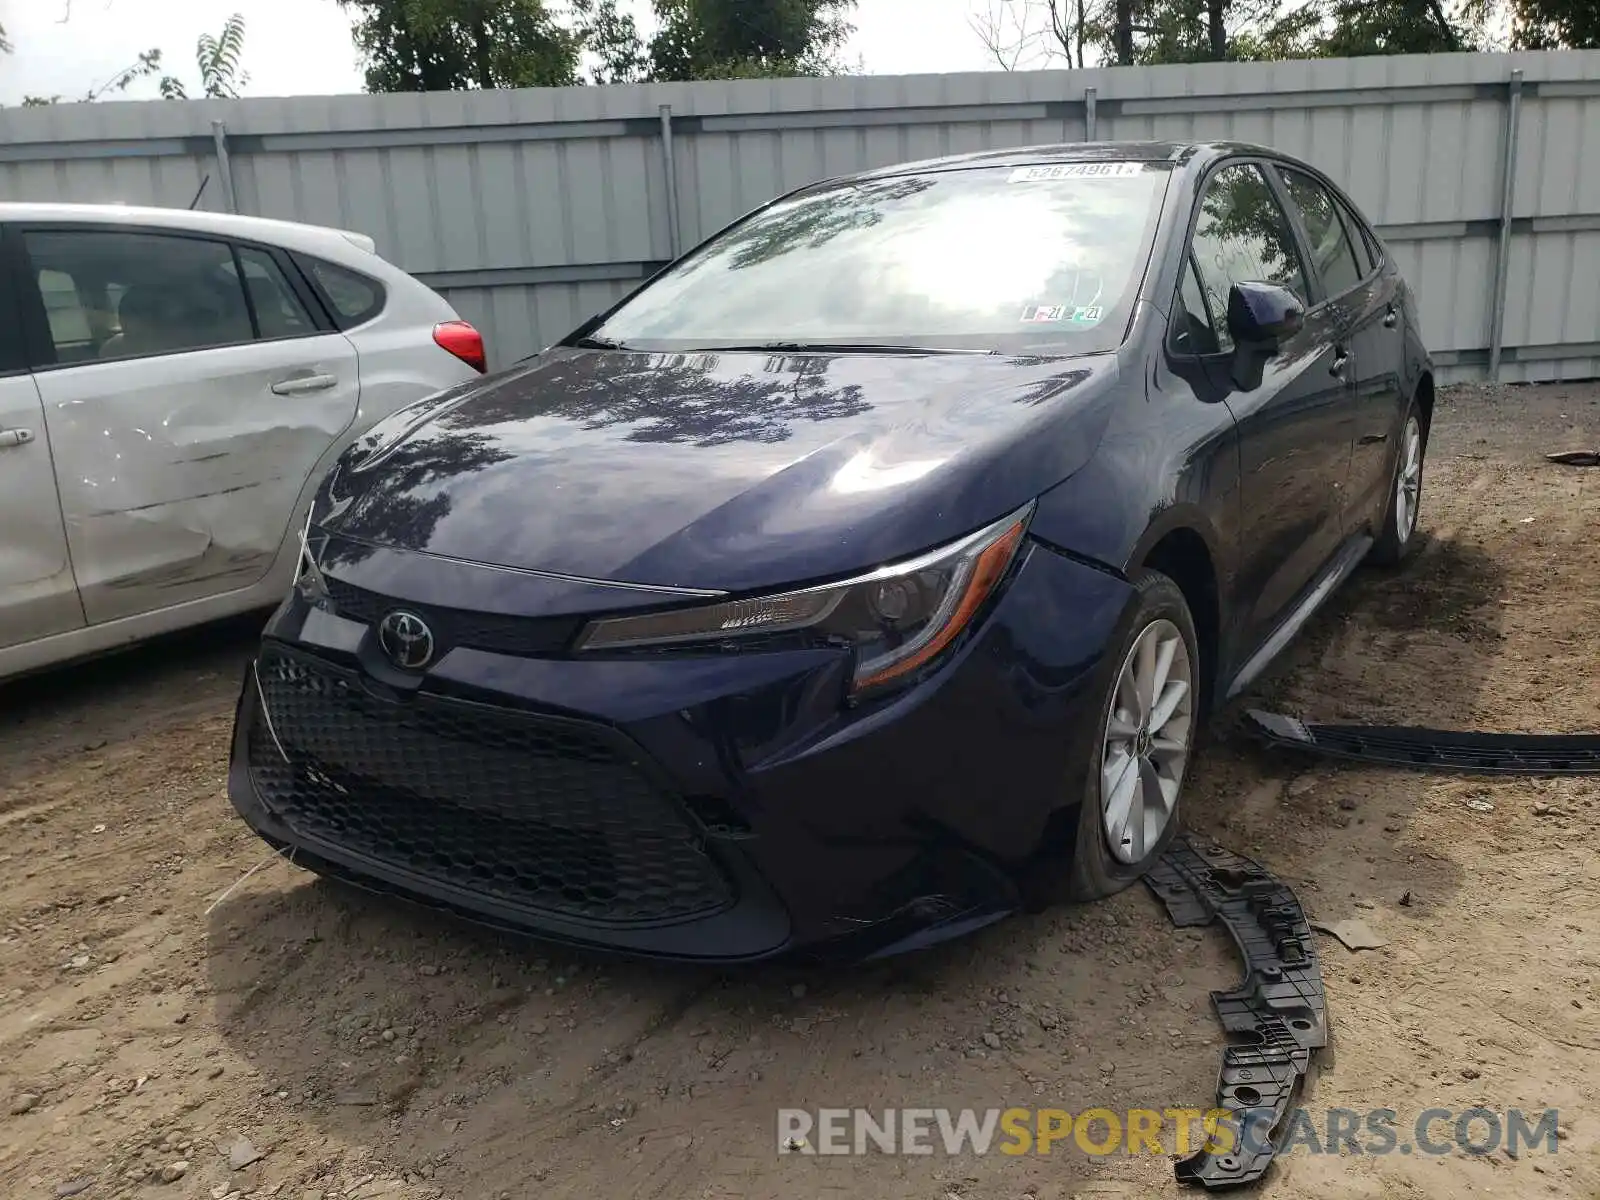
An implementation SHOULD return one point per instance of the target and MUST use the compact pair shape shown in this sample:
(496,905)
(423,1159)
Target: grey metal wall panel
(533,209)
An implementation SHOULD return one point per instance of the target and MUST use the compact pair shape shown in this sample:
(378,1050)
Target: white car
(172,387)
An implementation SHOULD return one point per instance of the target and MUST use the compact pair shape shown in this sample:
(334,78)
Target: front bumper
(714,806)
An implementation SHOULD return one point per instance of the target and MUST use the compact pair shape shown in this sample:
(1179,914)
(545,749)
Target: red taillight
(465,342)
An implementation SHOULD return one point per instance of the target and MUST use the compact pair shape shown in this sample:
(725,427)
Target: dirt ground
(365,1049)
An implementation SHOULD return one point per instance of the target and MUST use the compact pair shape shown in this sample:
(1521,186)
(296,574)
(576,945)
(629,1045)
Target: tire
(1397,535)
(1102,865)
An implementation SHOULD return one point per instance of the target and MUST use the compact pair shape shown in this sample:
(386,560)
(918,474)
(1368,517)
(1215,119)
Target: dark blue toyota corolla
(860,578)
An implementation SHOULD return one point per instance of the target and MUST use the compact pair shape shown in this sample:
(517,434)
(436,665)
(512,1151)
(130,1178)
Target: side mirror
(1261,317)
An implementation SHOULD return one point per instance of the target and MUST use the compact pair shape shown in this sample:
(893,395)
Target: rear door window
(113,294)
(1329,244)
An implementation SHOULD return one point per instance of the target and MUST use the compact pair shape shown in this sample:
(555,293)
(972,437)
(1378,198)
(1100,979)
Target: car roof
(1181,153)
(293,235)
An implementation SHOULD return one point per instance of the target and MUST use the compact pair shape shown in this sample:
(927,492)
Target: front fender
(1141,485)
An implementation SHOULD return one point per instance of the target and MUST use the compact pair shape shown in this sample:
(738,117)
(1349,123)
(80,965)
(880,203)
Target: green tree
(611,41)
(218,60)
(451,45)
(723,39)
(1357,27)
(1542,24)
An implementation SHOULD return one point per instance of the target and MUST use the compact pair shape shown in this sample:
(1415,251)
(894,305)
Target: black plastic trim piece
(1464,751)
(1576,458)
(1275,1020)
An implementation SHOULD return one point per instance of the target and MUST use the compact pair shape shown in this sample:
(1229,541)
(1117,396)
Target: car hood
(725,471)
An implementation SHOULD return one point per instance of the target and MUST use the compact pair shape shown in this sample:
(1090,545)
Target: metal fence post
(670,161)
(1502,260)
(1089,96)
(219,138)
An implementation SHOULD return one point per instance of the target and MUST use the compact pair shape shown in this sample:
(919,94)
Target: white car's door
(192,394)
(37,593)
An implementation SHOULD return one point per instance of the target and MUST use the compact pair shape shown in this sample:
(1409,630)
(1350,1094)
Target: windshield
(1019,260)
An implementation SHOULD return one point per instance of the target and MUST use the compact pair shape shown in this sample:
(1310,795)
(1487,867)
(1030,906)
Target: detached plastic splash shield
(1437,749)
(1274,1020)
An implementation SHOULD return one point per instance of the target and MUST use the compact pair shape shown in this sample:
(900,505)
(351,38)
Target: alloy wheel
(1408,482)
(1146,749)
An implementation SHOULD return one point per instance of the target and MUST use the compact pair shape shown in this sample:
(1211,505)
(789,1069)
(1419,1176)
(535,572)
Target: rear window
(352,296)
(1044,259)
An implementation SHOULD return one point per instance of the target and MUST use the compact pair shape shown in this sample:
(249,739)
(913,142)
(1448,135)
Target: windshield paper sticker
(1054,314)
(1077,170)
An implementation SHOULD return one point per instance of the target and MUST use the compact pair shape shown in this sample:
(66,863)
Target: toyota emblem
(406,639)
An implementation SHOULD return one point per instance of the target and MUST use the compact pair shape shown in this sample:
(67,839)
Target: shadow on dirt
(392,1025)
(84,706)
(1409,646)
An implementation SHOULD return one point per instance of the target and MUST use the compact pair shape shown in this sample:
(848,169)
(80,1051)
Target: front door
(1295,430)
(185,412)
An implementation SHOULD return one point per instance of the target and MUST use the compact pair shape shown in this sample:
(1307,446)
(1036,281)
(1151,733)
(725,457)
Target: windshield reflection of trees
(813,224)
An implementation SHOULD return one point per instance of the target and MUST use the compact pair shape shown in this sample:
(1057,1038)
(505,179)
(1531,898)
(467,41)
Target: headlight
(897,619)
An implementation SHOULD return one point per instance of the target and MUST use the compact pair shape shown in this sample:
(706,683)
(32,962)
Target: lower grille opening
(540,813)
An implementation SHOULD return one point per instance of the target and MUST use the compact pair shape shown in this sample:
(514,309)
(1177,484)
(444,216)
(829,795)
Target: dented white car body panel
(151,484)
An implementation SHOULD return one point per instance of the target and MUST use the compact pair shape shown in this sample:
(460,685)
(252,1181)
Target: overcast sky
(296,47)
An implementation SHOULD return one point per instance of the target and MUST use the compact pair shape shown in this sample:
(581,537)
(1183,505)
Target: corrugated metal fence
(533,209)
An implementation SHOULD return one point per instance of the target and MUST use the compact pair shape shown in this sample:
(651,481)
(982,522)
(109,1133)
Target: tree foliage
(1553,24)
(143,67)
(218,60)
(1056,32)
(450,45)
(216,57)
(721,39)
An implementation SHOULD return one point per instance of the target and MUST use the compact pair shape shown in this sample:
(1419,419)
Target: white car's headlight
(897,619)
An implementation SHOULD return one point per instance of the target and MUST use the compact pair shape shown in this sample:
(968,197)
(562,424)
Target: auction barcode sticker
(1077,170)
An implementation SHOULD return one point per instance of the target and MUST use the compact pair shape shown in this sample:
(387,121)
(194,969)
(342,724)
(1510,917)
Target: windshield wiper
(589,342)
(839,348)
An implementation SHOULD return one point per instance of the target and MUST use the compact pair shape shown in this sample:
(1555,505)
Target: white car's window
(279,312)
(121,295)
(69,327)
(354,297)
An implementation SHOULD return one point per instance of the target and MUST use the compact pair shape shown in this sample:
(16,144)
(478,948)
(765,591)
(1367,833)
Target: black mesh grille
(547,815)
(458,627)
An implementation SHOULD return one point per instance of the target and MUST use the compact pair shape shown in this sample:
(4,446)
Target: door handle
(1391,318)
(15,437)
(301,384)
